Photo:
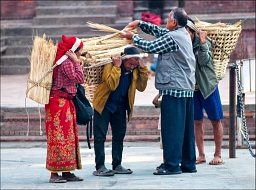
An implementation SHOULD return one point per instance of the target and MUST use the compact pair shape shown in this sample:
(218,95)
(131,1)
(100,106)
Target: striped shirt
(162,44)
(177,93)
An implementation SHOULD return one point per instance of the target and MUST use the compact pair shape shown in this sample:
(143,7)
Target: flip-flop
(73,177)
(103,171)
(216,163)
(121,170)
(166,172)
(57,179)
(200,161)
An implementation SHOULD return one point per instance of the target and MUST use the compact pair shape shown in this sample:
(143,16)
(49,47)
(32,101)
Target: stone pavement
(23,163)
(23,167)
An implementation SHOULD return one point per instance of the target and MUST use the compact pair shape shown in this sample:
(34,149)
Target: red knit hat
(66,44)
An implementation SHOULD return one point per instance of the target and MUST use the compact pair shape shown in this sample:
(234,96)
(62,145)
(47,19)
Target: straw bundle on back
(97,52)
(39,77)
(224,38)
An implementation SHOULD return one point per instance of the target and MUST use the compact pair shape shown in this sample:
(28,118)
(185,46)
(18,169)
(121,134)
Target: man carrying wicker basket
(113,98)
(206,95)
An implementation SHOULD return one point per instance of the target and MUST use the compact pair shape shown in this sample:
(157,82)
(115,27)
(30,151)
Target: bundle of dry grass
(97,52)
(224,38)
(40,75)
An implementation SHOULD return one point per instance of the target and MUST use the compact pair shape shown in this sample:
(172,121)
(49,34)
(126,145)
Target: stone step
(68,3)
(54,30)
(77,30)
(3,42)
(74,19)
(14,69)
(3,50)
(16,31)
(27,40)
(76,10)
(19,60)
(17,50)
(18,40)
(140,125)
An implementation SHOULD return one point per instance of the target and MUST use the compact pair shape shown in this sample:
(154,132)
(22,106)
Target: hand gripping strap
(74,47)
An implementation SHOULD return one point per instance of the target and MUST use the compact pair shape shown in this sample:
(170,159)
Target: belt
(196,87)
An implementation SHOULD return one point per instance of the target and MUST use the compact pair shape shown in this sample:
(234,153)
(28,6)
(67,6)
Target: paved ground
(23,163)
(23,167)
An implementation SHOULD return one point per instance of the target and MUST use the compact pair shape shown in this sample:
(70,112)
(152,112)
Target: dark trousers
(100,126)
(177,129)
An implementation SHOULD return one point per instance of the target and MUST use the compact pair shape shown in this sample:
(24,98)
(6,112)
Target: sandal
(216,161)
(58,179)
(165,172)
(161,166)
(121,170)
(73,177)
(103,171)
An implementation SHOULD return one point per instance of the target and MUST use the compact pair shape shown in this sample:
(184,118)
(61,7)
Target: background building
(20,20)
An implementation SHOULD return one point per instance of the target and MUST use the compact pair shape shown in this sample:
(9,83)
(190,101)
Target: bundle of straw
(40,77)
(97,52)
(224,38)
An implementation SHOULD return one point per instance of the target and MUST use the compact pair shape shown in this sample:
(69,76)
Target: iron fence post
(232,112)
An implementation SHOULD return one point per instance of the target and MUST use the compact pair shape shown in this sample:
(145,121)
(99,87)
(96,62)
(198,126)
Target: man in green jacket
(206,95)
(113,98)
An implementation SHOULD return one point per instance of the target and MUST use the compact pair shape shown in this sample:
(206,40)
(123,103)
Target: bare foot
(216,161)
(200,160)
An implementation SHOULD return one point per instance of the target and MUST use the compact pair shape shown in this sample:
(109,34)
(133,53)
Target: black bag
(84,111)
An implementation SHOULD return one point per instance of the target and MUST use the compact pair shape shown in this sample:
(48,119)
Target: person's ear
(175,22)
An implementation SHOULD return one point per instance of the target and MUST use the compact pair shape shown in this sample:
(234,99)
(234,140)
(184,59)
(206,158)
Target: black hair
(180,16)
(77,50)
(190,29)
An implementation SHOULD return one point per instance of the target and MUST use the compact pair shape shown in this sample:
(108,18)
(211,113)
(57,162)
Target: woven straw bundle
(40,77)
(97,52)
(224,38)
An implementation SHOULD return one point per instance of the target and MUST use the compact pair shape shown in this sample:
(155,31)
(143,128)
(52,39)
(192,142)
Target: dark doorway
(156,7)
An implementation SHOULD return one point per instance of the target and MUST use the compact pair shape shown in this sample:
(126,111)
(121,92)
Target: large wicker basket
(224,38)
(93,66)
(97,52)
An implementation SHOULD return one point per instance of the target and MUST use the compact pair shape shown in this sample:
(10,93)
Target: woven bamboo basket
(224,38)
(97,52)
(90,90)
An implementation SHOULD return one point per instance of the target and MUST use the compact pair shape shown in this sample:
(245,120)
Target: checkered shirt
(68,75)
(162,44)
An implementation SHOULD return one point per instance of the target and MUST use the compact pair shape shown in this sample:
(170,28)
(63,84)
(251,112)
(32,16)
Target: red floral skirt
(63,150)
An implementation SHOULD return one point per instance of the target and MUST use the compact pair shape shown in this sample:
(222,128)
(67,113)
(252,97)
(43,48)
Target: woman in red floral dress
(63,151)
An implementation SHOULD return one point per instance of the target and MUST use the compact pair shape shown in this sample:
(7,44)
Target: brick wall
(125,8)
(219,6)
(23,9)
(245,47)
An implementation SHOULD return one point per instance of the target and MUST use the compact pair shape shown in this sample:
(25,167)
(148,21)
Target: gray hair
(180,16)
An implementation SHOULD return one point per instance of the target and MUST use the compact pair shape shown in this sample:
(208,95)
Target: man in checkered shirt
(175,80)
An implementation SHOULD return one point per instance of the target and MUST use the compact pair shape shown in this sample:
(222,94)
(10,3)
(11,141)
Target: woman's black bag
(84,111)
